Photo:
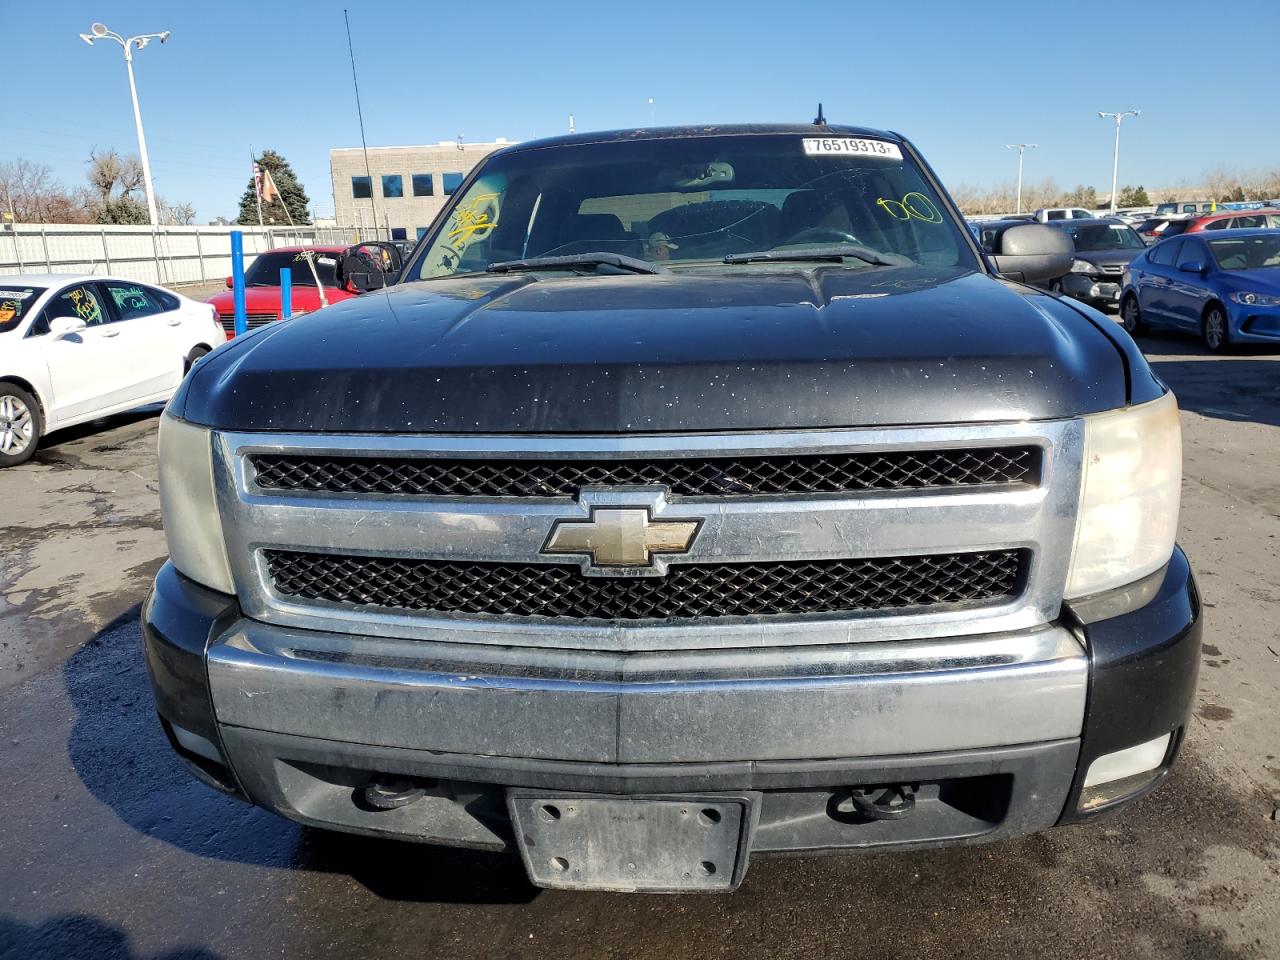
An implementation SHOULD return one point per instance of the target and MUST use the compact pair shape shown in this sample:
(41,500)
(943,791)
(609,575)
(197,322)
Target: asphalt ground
(108,849)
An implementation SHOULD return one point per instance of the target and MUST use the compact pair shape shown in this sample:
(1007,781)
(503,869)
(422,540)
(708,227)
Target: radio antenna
(819,120)
(364,146)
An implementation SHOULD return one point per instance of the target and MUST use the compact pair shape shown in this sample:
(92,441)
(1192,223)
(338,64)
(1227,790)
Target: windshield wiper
(834,252)
(622,262)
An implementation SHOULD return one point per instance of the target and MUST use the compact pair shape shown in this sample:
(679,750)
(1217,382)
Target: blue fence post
(237,280)
(286,293)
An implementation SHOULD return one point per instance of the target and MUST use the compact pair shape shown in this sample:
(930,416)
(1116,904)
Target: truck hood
(747,349)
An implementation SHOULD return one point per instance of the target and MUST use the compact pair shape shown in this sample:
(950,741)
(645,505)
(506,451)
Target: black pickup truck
(692,495)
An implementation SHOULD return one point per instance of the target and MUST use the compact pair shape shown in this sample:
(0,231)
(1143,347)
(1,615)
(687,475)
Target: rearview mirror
(1033,252)
(1191,266)
(231,282)
(65,326)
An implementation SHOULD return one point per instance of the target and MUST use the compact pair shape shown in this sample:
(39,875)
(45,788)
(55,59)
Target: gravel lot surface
(109,849)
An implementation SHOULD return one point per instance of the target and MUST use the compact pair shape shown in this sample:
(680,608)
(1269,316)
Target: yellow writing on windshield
(473,219)
(913,206)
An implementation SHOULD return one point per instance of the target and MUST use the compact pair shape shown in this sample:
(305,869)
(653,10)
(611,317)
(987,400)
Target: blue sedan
(1225,288)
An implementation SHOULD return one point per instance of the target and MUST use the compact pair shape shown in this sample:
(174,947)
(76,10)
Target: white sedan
(76,347)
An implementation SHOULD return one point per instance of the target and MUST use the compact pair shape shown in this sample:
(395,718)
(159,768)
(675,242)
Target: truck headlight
(1255,299)
(1083,266)
(188,507)
(1129,498)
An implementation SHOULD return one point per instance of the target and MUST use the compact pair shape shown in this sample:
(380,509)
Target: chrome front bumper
(1081,286)
(854,700)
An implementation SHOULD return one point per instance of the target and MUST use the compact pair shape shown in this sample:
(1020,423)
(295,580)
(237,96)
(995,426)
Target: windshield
(692,201)
(1247,253)
(15,304)
(266,267)
(1097,237)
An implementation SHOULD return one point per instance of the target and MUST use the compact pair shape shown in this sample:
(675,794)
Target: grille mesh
(690,476)
(688,590)
(251,320)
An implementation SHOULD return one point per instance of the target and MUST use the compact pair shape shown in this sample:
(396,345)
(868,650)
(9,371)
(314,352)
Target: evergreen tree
(1082,196)
(1134,197)
(122,209)
(292,195)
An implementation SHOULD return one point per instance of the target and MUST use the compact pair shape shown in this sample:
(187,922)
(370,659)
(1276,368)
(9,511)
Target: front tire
(20,425)
(190,361)
(1131,316)
(1214,329)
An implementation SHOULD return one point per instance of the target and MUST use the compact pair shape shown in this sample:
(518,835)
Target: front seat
(594,233)
(813,210)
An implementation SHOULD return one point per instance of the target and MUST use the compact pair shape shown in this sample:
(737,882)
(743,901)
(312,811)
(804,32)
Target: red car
(1234,219)
(262,281)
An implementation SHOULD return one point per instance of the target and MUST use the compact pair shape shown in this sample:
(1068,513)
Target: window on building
(392,185)
(422,185)
(361,188)
(452,181)
(399,233)
(422,232)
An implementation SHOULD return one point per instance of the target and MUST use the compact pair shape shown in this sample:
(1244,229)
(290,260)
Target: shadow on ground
(1244,387)
(80,937)
(122,757)
(92,428)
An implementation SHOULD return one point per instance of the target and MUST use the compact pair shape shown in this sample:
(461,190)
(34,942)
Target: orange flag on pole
(269,192)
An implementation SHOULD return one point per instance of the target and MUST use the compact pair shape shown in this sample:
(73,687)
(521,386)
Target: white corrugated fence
(163,255)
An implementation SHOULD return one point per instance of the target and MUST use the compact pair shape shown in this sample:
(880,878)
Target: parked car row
(77,347)
(319,275)
(1157,228)
(1217,276)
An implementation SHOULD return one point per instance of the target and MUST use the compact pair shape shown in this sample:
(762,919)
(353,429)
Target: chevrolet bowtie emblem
(621,537)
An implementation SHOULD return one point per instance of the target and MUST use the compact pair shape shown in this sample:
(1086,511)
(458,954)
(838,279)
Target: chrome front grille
(684,476)
(252,320)
(803,537)
(688,591)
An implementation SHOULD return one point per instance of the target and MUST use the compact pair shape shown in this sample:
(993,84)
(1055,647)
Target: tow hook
(391,794)
(880,803)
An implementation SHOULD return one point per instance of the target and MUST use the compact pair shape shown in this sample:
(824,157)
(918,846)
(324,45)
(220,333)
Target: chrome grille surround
(883,523)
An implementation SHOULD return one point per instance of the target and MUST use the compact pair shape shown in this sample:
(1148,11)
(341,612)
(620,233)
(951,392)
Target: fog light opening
(1114,776)
(194,743)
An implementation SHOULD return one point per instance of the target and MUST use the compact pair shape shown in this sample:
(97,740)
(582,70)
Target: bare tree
(114,176)
(30,194)
(176,214)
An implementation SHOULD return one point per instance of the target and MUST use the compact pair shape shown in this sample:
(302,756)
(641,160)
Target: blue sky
(960,79)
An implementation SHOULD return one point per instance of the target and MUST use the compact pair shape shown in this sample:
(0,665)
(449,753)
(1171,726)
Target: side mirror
(361,272)
(1191,266)
(65,326)
(231,282)
(1033,252)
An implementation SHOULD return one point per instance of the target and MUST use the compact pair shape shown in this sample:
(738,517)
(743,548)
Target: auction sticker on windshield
(856,146)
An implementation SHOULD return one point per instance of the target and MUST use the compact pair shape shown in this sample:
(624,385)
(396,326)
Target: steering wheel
(822,235)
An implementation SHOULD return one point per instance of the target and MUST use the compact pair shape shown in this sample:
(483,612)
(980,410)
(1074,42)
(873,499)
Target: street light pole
(1115,158)
(99,32)
(1021,148)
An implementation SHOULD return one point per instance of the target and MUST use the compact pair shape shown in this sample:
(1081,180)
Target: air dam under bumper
(988,728)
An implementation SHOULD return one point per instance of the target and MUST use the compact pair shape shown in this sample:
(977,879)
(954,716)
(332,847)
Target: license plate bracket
(630,844)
